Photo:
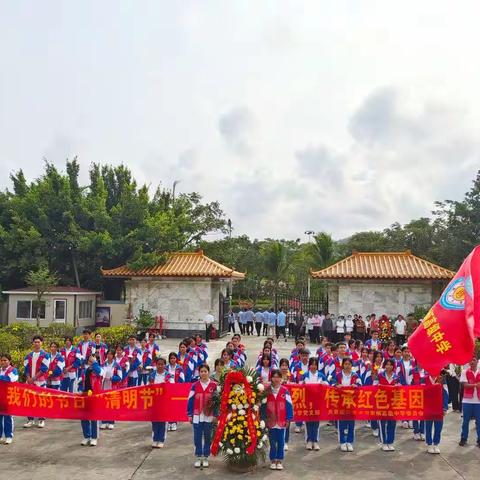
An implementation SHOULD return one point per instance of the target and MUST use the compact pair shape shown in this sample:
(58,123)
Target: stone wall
(183,303)
(389,298)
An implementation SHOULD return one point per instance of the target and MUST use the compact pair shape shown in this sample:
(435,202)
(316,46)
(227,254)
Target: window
(27,309)
(60,310)
(24,308)
(85,308)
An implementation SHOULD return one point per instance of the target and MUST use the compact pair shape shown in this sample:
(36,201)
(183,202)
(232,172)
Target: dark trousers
(250,328)
(292,330)
(67,384)
(360,336)
(453,385)
(231,327)
(281,331)
(329,335)
(400,340)
(202,432)
(242,328)
(265,329)
(258,327)
(158,431)
(207,333)
(316,334)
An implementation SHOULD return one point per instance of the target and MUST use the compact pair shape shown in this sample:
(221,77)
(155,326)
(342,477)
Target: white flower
(256,408)
(236,450)
(219,389)
(220,444)
(260,445)
(229,416)
(264,438)
(329,378)
(262,424)
(254,416)
(246,406)
(242,412)
(229,451)
(264,400)
(261,387)
(234,407)
(249,379)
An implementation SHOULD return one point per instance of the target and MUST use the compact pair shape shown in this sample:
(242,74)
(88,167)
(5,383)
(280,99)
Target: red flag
(447,333)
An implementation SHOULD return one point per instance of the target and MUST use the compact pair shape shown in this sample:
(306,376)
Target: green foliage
(113,336)
(144,320)
(23,331)
(41,279)
(9,342)
(420,311)
(18,355)
(477,348)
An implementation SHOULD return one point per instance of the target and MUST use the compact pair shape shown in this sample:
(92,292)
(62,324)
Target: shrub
(116,335)
(144,320)
(8,342)
(17,361)
(24,332)
(58,330)
(477,348)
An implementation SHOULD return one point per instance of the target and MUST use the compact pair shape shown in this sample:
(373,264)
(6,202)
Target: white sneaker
(297,430)
(198,463)
(273,466)
(430,449)
(111,426)
(173,428)
(285,448)
(279,465)
(416,436)
(154,444)
(9,440)
(103,426)
(29,424)
(422,437)
(391,447)
(435,448)
(316,446)
(349,447)
(2,440)
(85,442)
(343,447)
(41,424)
(160,444)
(375,432)
(385,447)
(309,446)
(205,463)
(93,442)
(405,425)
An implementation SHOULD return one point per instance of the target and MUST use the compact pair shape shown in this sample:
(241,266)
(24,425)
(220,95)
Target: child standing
(159,375)
(72,363)
(112,380)
(91,382)
(7,374)
(55,369)
(388,427)
(201,415)
(277,412)
(313,428)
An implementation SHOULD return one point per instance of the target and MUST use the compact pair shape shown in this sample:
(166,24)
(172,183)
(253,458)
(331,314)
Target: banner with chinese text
(168,402)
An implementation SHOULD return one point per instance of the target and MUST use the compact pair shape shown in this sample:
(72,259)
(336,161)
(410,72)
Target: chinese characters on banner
(321,402)
(168,402)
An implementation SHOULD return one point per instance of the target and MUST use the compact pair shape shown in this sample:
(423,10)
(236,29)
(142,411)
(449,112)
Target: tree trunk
(75,270)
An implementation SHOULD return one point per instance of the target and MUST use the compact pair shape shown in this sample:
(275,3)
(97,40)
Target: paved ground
(125,453)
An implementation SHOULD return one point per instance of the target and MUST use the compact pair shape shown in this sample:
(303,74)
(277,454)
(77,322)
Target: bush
(9,342)
(24,332)
(17,361)
(116,335)
(477,348)
(144,320)
(58,330)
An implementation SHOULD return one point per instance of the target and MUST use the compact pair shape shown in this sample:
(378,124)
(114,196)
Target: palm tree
(276,258)
(323,250)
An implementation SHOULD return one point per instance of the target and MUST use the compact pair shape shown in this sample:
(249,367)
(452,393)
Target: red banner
(321,402)
(447,333)
(168,402)
(162,402)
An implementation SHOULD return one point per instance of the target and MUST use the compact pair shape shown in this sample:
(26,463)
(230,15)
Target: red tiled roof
(391,265)
(181,264)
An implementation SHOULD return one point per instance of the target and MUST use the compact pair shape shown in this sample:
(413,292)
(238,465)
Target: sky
(335,116)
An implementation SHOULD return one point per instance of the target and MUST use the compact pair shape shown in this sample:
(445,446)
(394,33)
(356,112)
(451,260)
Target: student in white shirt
(400,326)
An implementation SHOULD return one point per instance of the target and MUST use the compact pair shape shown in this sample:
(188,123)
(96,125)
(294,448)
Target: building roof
(384,265)
(56,290)
(181,264)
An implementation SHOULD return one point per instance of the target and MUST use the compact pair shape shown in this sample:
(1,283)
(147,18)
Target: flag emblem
(453,298)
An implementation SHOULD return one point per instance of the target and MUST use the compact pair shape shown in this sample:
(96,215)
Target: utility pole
(309,233)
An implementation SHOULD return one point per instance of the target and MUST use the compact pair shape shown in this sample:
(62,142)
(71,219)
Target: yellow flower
(240,437)
(89,393)
(259,434)
(232,441)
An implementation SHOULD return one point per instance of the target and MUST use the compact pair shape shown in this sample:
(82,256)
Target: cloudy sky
(296,115)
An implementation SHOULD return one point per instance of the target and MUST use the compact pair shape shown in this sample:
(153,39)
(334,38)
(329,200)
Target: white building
(388,283)
(181,291)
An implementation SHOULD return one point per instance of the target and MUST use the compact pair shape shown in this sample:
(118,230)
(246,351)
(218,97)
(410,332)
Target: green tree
(42,280)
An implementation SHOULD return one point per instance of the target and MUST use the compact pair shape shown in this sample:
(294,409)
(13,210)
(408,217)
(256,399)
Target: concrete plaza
(125,453)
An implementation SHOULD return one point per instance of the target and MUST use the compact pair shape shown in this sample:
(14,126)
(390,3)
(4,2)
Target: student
(153,348)
(91,382)
(287,377)
(346,428)
(36,365)
(122,360)
(8,373)
(470,379)
(112,380)
(277,413)
(227,357)
(134,355)
(100,349)
(175,375)
(389,352)
(72,363)
(435,426)
(387,427)
(313,375)
(186,361)
(146,363)
(200,415)
(218,366)
(340,328)
(85,348)
(258,321)
(266,322)
(374,343)
(400,326)
(264,370)
(239,350)
(55,368)
(159,375)
(201,349)
(281,324)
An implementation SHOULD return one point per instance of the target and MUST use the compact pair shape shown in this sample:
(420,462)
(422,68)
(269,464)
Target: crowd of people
(91,365)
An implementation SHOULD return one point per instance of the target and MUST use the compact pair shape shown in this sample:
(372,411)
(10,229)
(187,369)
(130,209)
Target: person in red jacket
(277,413)
(470,379)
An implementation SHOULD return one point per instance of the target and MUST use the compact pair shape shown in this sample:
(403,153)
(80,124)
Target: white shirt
(400,326)
(475,398)
(265,374)
(349,325)
(346,379)
(340,326)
